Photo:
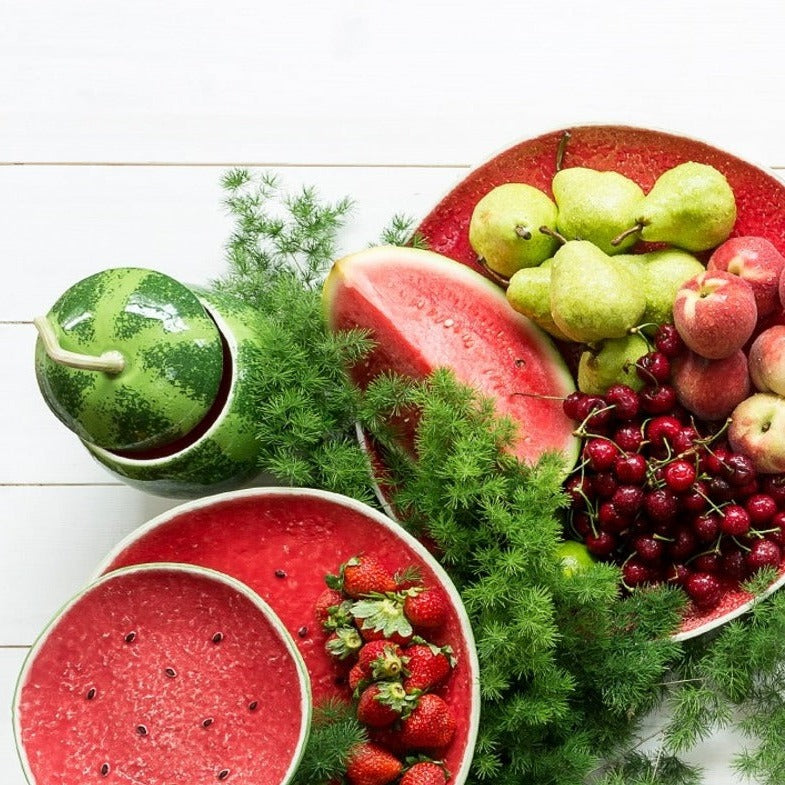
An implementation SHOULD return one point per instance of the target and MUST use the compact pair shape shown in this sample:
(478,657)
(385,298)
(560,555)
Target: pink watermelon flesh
(637,153)
(171,705)
(281,544)
(424,312)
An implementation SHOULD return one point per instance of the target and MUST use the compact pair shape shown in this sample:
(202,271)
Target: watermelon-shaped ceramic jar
(155,378)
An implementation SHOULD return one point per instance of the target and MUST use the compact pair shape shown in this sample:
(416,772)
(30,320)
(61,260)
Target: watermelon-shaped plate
(281,542)
(162,674)
(642,155)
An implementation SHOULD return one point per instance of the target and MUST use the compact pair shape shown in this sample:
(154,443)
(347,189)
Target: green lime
(574,557)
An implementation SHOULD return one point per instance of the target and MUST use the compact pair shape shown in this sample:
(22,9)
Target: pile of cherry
(376,623)
(661,493)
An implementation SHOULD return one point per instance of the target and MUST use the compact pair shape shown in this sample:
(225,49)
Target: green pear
(593,296)
(691,206)
(505,228)
(664,273)
(529,294)
(596,206)
(613,362)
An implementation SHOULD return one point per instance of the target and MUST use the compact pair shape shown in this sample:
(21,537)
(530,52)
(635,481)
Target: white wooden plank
(52,539)
(376,82)
(10,664)
(63,223)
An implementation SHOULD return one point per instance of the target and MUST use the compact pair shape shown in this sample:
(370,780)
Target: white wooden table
(117,119)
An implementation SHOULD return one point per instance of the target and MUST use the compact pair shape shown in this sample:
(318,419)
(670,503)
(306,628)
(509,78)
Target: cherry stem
(620,238)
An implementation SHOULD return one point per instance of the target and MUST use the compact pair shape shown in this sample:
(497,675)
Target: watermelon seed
(170,672)
(104,769)
(207,722)
(303,631)
(280,573)
(131,637)
(141,730)
(253,705)
(218,637)
(90,693)
(223,774)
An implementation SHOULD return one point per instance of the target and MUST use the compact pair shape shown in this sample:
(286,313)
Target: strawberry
(364,575)
(431,724)
(383,703)
(424,773)
(370,635)
(381,659)
(333,610)
(343,643)
(357,677)
(372,765)
(382,613)
(426,609)
(329,598)
(428,666)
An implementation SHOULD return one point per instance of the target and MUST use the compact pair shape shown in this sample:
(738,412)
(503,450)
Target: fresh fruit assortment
(375,622)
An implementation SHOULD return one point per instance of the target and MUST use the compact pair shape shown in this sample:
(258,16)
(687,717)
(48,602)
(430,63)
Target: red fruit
(649,548)
(600,453)
(575,407)
(357,676)
(381,659)
(635,573)
(706,527)
(668,341)
(653,368)
(662,429)
(738,470)
(774,485)
(426,609)
(695,500)
(625,401)
(734,564)
(713,462)
(344,643)
(579,489)
(363,575)
(610,518)
(661,504)
(430,725)
(424,773)
(371,765)
(658,400)
(734,521)
(761,508)
(629,437)
(369,635)
(604,484)
(428,666)
(630,469)
(707,562)
(763,553)
(600,544)
(381,704)
(329,598)
(679,475)
(627,499)
(703,589)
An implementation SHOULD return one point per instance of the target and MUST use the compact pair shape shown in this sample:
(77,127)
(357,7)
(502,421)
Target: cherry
(627,499)
(625,401)
(662,429)
(761,508)
(658,400)
(649,548)
(630,469)
(601,544)
(679,475)
(677,573)
(579,489)
(704,589)
(684,441)
(710,561)
(683,544)
(661,504)
(763,553)
(774,485)
(738,469)
(668,341)
(695,499)
(713,461)
(734,521)
(653,368)
(601,454)
(706,527)
(598,414)
(611,519)
(581,523)
(734,564)
(719,490)
(629,437)
(635,573)
(575,406)
(604,484)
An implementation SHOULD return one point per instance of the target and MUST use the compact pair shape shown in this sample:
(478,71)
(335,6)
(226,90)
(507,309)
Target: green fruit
(505,228)
(170,351)
(592,296)
(574,557)
(691,206)
(529,294)
(613,362)
(596,206)
(664,273)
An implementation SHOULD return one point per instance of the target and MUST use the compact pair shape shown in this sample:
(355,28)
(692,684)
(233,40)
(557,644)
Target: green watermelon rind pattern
(226,456)
(164,333)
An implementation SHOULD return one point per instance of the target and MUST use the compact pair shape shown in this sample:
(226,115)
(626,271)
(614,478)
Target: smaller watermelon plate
(162,674)
(282,542)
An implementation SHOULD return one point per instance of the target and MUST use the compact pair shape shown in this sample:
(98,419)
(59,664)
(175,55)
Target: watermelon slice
(638,153)
(424,311)
(281,542)
(163,674)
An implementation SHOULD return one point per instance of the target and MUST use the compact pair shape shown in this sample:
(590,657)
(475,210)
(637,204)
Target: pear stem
(620,238)
(562,149)
(553,233)
(111,362)
(502,280)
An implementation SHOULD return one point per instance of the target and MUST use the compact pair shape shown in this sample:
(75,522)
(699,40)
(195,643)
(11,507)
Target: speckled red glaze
(257,536)
(640,154)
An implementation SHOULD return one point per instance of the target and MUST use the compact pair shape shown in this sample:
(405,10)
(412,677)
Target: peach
(758,262)
(711,389)
(757,430)
(715,313)
(767,360)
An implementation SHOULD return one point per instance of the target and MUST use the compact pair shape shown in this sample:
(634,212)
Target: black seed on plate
(170,672)
(91,693)
(303,631)
(130,637)
(141,730)
(207,722)
(253,705)
(218,637)
(104,769)
(280,573)
(223,774)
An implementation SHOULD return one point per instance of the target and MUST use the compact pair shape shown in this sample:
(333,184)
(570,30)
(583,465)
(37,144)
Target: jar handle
(111,362)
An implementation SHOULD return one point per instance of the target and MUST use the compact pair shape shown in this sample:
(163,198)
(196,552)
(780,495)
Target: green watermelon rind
(283,634)
(173,367)
(226,455)
(468,276)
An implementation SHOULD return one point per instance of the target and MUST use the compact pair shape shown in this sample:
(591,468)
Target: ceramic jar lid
(129,359)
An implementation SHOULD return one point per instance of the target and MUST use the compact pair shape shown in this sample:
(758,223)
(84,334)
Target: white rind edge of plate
(388,522)
(283,634)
